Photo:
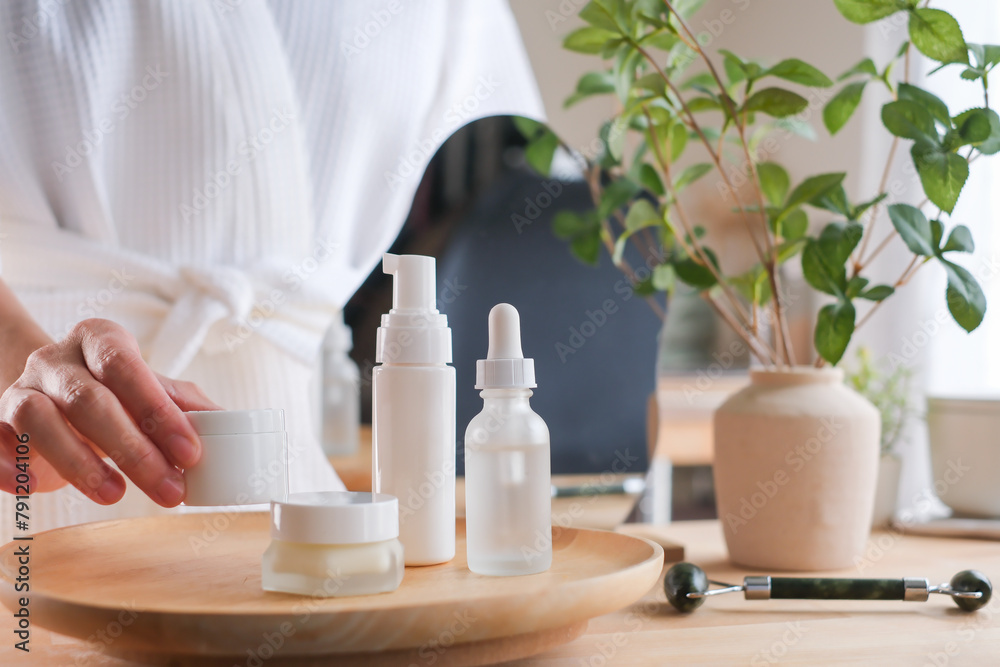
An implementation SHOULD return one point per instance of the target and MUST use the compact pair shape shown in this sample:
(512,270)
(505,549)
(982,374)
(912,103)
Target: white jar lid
(226,422)
(335,517)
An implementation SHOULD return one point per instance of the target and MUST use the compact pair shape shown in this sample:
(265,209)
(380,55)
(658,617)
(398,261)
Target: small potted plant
(889,391)
(796,452)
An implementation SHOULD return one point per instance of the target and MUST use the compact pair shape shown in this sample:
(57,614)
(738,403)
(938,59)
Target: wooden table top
(729,630)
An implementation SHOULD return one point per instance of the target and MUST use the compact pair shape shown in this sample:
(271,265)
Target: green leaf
(834,328)
(942,175)
(866,66)
(801,72)
(878,293)
(692,174)
(975,129)
(909,120)
(600,17)
(776,102)
(695,274)
(652,82)
(734,66)
(937,233)
(662,40)
(591,83)
(959,240)
(664,277)
(678,140)
(835,200)
(928,101)
(587,247)
(794,225)
(855,285)
(620,244)
(644,287)
(866,11)
(913,228)
(991,144)
(937,35)
(588,40)
(773,182)
(864,206)
(841,106)
(568,224)
(616,195)
(651,180)
(812,188)
(824,258)
(539,152)
(641,215)
(613,135)
(528,127)
(975,126)
(965,297)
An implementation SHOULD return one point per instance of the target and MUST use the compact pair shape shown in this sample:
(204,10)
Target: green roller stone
(808,588)
(968,581)
(682,579)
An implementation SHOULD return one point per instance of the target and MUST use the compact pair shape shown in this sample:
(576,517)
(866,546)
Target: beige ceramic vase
(796,464)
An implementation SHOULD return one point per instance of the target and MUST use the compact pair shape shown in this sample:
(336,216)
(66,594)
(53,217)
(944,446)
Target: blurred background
(614,383)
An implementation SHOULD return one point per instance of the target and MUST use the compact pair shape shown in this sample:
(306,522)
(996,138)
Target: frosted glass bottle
(507,467)
(341,398)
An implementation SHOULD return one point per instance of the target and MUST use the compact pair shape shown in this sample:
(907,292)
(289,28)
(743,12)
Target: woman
(189,191)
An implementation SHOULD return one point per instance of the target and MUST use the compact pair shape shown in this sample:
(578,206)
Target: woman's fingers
(97,415)
(112,356)
(187,395)
(43,476)
(34,413)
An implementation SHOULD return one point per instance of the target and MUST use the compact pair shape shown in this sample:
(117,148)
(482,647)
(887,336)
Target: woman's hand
(92,395)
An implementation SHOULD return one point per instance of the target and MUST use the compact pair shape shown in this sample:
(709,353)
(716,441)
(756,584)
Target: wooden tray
(189,585)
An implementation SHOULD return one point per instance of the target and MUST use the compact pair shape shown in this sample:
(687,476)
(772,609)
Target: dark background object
(487,218)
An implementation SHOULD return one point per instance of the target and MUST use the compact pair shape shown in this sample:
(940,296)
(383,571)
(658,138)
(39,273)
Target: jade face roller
(687,586)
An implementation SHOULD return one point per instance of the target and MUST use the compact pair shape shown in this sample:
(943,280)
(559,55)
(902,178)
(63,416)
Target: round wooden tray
(189,585)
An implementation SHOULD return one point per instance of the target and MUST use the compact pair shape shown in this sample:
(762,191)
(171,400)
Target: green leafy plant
(888,390)
(725,115)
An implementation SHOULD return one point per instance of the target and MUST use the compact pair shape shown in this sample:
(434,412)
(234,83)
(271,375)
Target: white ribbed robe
(219,176)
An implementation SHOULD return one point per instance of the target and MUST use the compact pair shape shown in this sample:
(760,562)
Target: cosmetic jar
(334,544)
(243,459)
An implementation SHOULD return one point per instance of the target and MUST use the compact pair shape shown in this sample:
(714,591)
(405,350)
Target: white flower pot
(796,463)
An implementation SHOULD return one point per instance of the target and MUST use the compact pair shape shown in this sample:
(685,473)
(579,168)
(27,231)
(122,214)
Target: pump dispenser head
(505,366)
(413,332)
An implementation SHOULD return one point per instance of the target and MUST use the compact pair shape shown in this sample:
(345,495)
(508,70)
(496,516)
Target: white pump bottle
(508,506)
(413,412)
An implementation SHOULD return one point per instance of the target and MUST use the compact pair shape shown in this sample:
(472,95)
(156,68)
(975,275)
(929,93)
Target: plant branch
(759,348)
(607,238)
(770,264)
(699,253)
(904,278)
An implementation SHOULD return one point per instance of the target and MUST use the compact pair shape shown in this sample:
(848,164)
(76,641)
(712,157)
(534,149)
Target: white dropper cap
(413,332)
(505,366)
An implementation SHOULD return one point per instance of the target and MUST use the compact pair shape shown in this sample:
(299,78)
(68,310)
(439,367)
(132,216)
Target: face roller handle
(687,587)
